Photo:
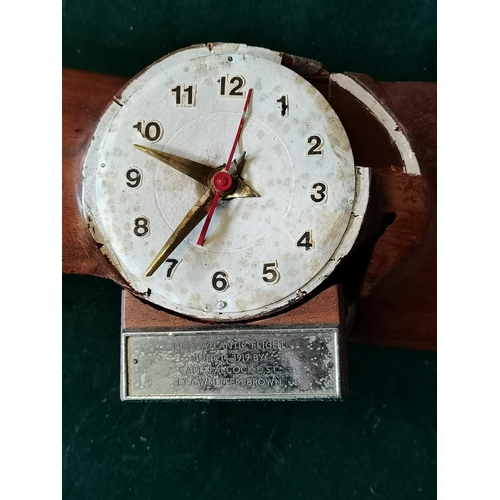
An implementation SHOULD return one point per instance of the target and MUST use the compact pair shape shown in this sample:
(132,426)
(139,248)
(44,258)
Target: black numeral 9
(134,177)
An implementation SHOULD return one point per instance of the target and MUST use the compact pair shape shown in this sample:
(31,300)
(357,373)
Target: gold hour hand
(237,165)
(243,190)
(192,219)
(197,171)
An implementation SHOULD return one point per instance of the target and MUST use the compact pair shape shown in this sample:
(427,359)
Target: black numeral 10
(152,131)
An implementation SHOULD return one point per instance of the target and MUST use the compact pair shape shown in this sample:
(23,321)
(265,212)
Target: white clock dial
(261,252)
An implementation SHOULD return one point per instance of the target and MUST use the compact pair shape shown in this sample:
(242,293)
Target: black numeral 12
(235,91)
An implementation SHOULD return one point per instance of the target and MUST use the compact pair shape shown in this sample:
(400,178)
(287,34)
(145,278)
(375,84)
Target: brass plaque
(249,363)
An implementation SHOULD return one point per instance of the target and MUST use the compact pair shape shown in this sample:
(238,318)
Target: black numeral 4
(306,241)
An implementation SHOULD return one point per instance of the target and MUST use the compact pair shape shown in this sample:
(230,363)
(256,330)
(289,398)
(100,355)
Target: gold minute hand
(192,219)
(193,169)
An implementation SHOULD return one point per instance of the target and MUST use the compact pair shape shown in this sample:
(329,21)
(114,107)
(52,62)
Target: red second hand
(203,233)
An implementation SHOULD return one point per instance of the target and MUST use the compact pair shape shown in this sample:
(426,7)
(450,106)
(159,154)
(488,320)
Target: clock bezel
(361,194)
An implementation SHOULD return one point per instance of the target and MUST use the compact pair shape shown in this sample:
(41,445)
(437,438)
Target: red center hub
(222,181)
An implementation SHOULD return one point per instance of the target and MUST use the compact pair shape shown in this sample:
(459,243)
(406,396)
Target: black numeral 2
(316,142)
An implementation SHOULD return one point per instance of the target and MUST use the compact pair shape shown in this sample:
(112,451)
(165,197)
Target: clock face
(157,162)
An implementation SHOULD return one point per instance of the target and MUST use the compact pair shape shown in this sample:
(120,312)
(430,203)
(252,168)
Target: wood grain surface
(390,281)
(322,309)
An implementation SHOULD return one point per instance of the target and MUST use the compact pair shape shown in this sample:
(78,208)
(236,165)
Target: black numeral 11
(184,96)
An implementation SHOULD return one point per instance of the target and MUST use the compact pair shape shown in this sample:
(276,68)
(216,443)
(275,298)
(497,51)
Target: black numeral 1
(178,96)
(284,105)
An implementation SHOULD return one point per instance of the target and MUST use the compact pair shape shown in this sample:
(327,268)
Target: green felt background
(381,442)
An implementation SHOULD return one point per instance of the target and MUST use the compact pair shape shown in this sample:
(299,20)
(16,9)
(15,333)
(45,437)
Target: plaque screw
(221,304)
(135,361)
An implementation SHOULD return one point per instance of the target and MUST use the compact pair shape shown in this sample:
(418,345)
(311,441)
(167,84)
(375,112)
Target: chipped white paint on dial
(270,249)
(383,114)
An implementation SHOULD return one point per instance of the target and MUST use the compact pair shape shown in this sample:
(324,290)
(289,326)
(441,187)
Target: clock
(246,200)
(221,184)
